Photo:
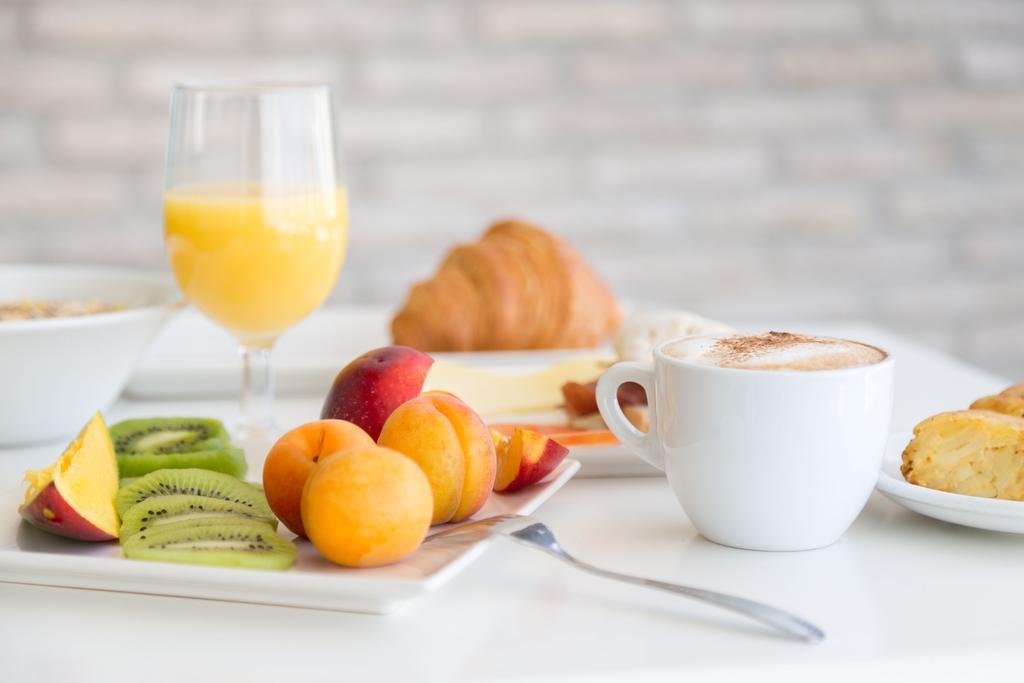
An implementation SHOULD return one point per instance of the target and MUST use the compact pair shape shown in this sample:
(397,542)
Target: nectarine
(366,507)
(291,460)
(453,447)
(374,384)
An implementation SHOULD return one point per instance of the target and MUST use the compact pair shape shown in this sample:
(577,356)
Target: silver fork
(531,532)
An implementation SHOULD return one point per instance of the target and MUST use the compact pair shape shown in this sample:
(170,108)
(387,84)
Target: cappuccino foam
(775,351)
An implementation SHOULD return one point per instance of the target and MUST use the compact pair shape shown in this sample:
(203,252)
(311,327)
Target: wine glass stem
(257,400)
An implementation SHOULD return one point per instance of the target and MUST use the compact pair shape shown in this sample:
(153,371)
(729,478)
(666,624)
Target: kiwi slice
(221,520)
(168,435)
(125,481)
(230,543)
(148,444)
(159,512)
(229,460)
(194,482)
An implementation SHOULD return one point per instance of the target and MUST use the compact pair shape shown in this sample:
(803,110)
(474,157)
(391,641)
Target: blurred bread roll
(642,331)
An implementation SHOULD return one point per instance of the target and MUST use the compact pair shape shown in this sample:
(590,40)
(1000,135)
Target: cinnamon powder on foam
(736,351)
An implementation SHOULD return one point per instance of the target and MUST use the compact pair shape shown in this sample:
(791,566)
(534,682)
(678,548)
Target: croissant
(517,287)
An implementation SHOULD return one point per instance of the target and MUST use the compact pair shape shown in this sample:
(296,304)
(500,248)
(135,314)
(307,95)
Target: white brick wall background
(743,158)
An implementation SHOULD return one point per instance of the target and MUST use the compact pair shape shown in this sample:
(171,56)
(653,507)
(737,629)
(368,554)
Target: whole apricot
(366,507)
(293,458)
(452,445)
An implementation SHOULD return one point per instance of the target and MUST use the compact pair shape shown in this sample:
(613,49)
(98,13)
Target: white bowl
(56,372)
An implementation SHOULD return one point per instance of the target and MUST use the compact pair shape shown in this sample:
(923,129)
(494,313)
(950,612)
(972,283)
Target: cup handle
(643,444)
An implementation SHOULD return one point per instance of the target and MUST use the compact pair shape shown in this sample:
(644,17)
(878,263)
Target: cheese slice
(490,391)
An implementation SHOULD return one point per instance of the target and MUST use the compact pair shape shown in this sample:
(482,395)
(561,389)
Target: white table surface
(900,596)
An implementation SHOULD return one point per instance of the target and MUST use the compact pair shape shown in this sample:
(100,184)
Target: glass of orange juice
(255,217)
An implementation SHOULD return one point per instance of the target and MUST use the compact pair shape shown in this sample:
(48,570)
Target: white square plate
(28,555)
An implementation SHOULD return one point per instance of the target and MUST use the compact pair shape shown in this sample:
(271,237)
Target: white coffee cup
(763,459)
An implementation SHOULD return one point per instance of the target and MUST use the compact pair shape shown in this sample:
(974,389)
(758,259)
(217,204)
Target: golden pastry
(972,452)
(518,287)
(1009,401)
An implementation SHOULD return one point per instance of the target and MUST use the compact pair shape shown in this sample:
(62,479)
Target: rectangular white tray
(28,555)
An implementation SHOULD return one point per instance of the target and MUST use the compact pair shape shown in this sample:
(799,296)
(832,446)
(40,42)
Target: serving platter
(30,556)
(971,511)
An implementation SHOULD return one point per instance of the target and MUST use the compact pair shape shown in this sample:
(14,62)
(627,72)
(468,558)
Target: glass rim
(246,86)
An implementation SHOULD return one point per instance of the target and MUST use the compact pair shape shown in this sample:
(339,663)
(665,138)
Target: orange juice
(253,262)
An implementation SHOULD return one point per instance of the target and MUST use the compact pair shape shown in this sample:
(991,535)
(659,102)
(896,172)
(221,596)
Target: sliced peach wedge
(525,458)
(74,497)
(563,434)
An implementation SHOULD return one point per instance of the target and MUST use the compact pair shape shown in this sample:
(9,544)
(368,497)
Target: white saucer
(972,511)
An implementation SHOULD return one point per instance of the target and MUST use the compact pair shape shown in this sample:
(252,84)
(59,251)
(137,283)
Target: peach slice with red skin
(51,512)
(74,497)
(563,434)
(294,457)
(525,458)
